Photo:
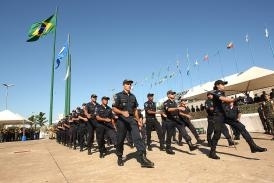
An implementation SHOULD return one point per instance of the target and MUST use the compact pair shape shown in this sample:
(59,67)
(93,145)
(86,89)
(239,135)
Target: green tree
(32,118)
(41,119)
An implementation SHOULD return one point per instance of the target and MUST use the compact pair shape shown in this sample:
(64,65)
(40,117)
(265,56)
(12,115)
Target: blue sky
(113,40)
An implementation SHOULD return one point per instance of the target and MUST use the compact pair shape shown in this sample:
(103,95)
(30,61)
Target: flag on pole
(206,57)
(40,29)
(63,53)
(229,45)
(246,38)
(266,33)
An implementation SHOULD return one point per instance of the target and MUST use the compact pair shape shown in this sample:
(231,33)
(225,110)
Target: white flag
(266,33)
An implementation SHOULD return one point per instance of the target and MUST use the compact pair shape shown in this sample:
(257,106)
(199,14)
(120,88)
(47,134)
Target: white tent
(252,79)
(9,118)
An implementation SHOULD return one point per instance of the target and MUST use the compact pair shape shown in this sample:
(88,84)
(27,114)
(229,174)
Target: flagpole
(270,45)
(66,110)
(52,71)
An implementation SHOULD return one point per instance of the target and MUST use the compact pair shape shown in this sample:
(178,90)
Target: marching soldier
(125,106)
(152,122)
(105,126)
(210,126)
(186,117)
(219,118)
(173,120)
(92,123)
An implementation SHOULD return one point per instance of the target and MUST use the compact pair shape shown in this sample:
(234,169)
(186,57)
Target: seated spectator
(202,107)
(192,108)
(262,97)
(197,109)
(248,99)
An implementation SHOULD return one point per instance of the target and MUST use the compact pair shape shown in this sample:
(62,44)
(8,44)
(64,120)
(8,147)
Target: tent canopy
(252,79)
(9,118)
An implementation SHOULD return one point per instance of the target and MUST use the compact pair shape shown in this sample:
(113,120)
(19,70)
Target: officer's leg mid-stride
(123,125)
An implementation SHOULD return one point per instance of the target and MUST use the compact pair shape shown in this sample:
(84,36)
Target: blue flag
(63,52)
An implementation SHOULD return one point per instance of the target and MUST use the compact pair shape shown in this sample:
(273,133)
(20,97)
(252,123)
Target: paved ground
(46,161)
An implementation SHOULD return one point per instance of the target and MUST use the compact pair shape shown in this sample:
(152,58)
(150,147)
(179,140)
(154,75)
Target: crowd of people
(123,122)
(16,134)
(247,99)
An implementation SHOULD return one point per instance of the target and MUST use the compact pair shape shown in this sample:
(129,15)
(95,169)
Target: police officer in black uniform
(173,120)
(210,126)
(186,117)
(105,126)
(233,113)
(80,115)
(219,118)
(92,123)
(125,106)
(152,122)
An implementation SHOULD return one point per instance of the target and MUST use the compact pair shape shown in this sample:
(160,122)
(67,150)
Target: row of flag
(44,27)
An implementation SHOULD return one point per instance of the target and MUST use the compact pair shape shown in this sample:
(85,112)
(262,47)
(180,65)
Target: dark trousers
(237,125)
(191,128)
(164,128)
(152,123)
(74,135)
(170,130)
(218,120)
(91,127)
(81,133)
(101,131)
(210,129)
(124,125)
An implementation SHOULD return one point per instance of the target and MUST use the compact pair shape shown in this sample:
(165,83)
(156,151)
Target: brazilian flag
(42,28)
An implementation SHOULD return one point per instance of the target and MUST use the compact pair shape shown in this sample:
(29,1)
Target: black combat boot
(146,163)
(191,146)
(120,161)
(213,155)
(162,147)
(169,151)
(256,148)
(231,142)
(180,143)
(253,147)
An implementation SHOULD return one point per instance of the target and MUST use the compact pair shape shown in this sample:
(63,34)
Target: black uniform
(82,129)
(219,117)
(210,126)
(104,128)
(173,120)
(127,102)
(91,124)
(190,126)
(232,115)
(153,123)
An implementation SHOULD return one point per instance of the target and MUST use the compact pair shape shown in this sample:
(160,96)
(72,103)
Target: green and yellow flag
(42,28)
